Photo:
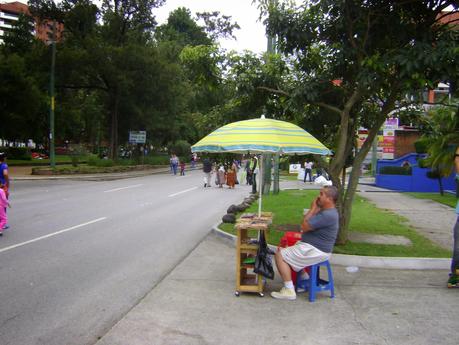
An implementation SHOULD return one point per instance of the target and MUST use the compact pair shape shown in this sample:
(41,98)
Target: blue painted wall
(417,182)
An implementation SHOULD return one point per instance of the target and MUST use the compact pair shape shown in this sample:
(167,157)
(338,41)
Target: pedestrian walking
(194,159)
(231,176)
(236,166)
(3,204)
(4,175)
(4,182)
(253,173)
(248,172)
(221,176)
(182,168)
(174,163)
(307,171)
(207,169)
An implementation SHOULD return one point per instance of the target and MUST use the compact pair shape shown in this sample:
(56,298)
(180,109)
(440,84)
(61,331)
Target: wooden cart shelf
(246,279)
(253,247)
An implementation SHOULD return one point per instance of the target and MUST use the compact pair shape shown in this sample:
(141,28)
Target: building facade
(9,14)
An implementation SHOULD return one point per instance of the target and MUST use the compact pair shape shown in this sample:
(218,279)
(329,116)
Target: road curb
(400,263)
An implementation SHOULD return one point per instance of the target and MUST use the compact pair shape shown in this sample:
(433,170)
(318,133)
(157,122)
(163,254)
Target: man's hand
(315,208)
(315,205)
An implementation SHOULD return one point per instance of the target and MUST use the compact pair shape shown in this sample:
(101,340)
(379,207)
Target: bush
(77,151)
(93,160)
(395,170)
(421,146)
(284,164)
(19,153)
(156,160)
(423,163)
(180,148)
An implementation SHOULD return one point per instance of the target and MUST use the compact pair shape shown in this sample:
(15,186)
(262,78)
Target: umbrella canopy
(261,136)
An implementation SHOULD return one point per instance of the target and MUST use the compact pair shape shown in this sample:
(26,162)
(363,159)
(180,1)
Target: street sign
(391,123)
(137,137)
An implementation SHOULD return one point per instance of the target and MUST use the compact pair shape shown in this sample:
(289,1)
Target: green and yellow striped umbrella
(261,136)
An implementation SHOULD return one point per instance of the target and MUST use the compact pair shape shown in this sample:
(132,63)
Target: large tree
(105,50)
(358,60)
(23,91)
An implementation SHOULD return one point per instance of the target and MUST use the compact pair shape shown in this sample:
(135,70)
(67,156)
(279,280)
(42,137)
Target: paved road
(81,254)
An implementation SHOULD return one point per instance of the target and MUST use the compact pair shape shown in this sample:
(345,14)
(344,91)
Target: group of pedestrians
(308,172)
(175,163)
(224,173)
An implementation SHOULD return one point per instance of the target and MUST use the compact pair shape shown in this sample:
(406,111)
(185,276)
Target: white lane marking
(117,189)
(183,191)
(53,234)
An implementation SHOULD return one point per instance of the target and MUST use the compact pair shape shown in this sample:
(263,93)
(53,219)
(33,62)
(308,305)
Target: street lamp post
(51,94)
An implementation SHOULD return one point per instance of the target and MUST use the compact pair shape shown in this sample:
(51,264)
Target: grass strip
(288,207)
(446,199)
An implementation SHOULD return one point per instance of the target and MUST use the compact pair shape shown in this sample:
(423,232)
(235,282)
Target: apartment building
(9,14)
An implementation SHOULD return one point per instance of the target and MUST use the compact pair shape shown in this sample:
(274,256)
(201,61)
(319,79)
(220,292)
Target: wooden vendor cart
(246,251)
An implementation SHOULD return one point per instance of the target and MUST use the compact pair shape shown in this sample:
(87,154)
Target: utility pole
(51,95)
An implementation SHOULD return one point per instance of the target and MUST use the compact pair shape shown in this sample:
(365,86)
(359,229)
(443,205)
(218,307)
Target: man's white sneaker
(284,293)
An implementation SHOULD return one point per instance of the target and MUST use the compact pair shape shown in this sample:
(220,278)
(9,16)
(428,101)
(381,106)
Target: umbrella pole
(260,183)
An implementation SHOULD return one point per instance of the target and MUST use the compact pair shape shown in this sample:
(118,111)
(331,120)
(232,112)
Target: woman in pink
(3,203)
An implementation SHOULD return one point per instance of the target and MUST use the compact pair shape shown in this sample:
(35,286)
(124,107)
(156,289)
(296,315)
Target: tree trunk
(266,173)
(344,220)
(114,129)
(440,183)
(347,191)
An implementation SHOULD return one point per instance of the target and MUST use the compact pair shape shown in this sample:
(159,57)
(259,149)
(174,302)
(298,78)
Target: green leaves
(442,138)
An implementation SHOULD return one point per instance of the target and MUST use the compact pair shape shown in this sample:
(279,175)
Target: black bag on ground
(263,264)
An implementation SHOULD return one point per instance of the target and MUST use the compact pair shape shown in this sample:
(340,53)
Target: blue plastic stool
(315,284)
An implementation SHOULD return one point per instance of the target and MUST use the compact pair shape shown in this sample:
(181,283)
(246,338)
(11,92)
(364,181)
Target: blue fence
(417,182)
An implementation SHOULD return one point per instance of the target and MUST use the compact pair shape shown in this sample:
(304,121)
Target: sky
(251,36)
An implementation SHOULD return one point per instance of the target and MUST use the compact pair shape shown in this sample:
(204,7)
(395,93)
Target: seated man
(319,230)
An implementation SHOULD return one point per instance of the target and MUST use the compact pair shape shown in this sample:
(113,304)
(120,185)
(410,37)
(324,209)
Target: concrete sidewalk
(195,304)
(431,219)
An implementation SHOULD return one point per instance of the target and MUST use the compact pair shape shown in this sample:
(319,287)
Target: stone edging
(369,261)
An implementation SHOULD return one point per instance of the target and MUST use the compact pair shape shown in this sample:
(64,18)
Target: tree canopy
(357,61)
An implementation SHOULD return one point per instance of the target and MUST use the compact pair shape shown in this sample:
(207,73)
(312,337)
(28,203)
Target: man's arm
(305,226)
